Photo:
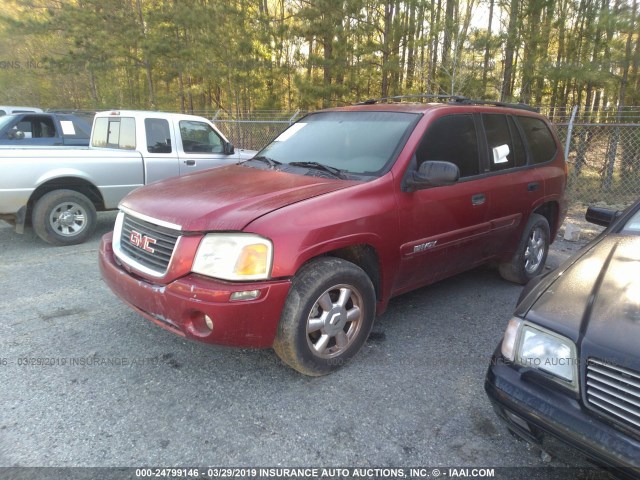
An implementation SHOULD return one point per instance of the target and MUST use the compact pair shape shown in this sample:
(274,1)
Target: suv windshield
(354,143)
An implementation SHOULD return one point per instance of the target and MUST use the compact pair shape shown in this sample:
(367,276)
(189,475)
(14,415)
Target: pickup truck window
(158,135)
(199,137)
(359,143)
(116,132)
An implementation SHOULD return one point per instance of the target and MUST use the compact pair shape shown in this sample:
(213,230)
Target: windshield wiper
(336,172)
(269,161)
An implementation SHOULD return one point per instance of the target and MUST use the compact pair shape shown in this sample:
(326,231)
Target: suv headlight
(536,347)
(234,256)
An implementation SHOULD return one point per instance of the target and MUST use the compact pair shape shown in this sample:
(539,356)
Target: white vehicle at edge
(60,189)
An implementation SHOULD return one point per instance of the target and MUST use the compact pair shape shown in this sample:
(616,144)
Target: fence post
(567,143)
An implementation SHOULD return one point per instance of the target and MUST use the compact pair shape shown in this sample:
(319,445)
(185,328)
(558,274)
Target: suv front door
(444,228)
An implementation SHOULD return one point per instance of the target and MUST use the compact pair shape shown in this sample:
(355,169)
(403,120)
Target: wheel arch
(364,256)
(550,210)
(77,184)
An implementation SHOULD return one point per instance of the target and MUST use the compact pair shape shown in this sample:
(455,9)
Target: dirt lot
(87,382)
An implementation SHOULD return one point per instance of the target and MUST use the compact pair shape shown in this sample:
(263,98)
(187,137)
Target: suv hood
(597,299)
(226,198)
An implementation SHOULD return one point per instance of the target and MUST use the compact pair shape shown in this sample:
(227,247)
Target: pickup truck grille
(614,391)
(147,244)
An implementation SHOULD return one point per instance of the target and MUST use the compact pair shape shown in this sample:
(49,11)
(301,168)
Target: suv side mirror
(433,174)
(228,148)
(601,216)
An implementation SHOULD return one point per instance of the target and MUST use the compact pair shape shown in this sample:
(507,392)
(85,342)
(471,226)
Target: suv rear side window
(452,139)
(543,147)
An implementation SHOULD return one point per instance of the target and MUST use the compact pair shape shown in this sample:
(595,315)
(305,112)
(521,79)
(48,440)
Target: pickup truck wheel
(327,316)
(64,217)
(531,254)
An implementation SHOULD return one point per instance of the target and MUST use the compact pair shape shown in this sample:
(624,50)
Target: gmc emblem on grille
(142,241)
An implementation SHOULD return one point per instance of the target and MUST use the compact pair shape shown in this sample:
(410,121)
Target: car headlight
(536,347)
(234,256)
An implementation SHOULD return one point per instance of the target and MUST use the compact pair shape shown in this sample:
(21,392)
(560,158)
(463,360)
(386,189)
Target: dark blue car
(44,129)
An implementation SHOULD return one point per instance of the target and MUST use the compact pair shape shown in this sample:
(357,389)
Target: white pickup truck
(60,189)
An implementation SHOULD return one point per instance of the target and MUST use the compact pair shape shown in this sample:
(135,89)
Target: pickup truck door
(201,147)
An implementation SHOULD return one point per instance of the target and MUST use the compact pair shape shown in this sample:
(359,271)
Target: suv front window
(356,143)
(452,139)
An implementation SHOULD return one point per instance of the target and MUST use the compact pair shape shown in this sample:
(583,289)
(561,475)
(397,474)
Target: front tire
(327,316)
(531,255)
(64,217)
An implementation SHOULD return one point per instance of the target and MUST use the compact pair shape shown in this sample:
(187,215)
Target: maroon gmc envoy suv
(301,246)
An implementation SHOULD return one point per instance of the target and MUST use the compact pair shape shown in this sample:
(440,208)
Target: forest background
(245,55)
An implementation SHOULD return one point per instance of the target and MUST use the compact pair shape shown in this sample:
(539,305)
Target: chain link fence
(603,148)
(603,154)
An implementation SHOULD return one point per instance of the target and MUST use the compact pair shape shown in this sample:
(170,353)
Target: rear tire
(327,316)
(531,254)
(64,217)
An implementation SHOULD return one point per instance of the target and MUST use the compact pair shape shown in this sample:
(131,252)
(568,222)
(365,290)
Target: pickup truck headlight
(234,256)
(536,347)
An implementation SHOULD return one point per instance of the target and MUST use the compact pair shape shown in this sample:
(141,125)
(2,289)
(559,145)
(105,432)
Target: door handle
(478,199)
(190,162)
(533,186)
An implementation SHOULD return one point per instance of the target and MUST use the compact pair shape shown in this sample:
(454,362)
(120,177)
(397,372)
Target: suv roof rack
(455,99)
(519,106)
(373,101)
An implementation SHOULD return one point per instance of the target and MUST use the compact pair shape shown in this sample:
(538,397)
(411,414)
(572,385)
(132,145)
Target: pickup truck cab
(43,129)
(299,247)
(60,189)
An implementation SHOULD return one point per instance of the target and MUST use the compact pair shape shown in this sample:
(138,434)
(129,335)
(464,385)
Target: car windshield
(633,224)
(6,120)
(358,144)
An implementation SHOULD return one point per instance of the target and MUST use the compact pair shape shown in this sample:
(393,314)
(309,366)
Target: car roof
(13,109)
(146,114)
(458,104)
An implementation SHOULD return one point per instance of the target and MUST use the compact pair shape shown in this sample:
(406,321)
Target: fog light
(245,295)
(209,322)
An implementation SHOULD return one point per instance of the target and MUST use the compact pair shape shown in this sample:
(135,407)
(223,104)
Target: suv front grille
(160,242)
(615,391)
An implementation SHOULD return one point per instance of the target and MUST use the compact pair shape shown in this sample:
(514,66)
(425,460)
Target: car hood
(597,298)
(226,198)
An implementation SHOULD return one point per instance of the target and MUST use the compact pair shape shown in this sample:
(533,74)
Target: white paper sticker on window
(290,132)
(501,153)
(67,127)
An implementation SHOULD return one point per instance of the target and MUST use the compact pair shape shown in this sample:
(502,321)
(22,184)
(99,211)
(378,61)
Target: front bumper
(548,416)
(181,305)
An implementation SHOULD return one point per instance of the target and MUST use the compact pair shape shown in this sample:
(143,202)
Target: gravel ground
(413,397)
